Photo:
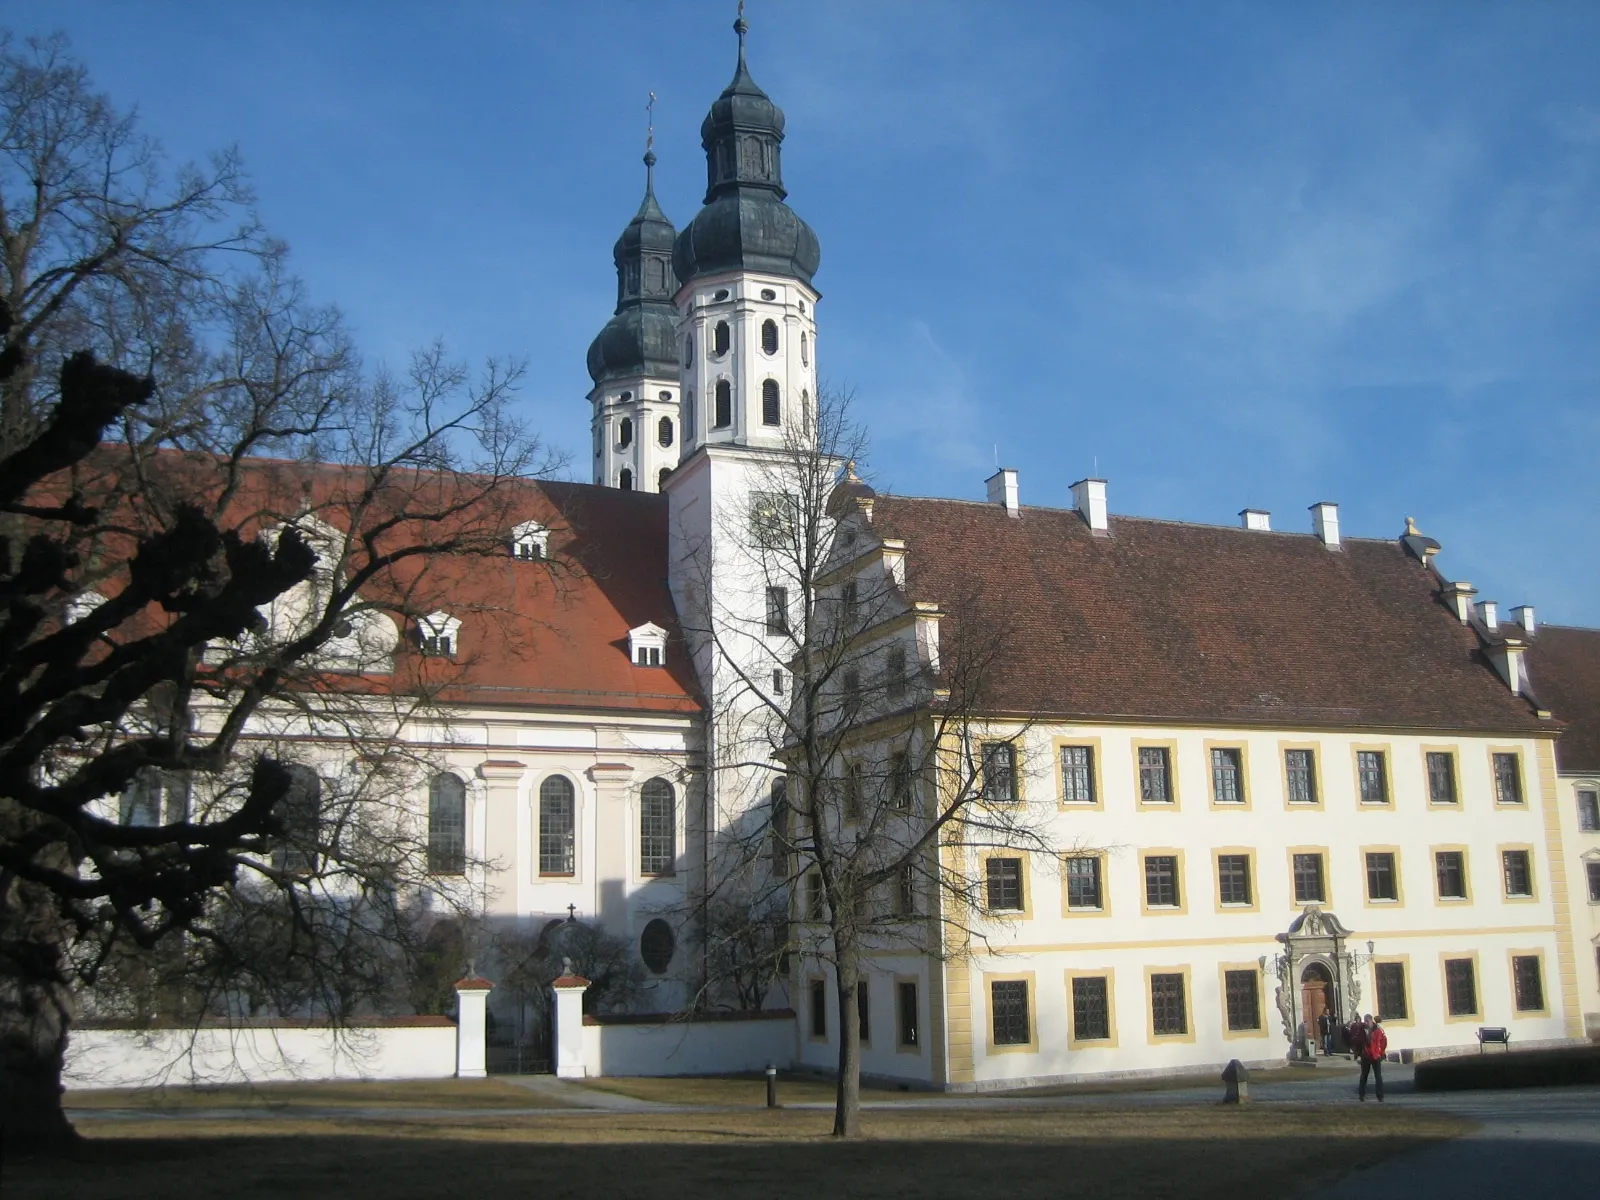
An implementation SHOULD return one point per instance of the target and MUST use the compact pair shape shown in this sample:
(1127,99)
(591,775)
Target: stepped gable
(1171,622)
(1564,664)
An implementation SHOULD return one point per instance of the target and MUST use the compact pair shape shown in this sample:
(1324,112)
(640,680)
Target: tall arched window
(664,431)
(658,828)
(625,480)
(299,814)
(724,404)
(769,336)
(661,477)
(625,432)
(688,414)
(447,825)
(688,350)
(805,407)
(771,409)
(556,838)
(720,339)
(805,351)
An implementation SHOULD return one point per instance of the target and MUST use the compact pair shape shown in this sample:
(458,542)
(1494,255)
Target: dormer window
(530,542)
(647,646)
(438,635)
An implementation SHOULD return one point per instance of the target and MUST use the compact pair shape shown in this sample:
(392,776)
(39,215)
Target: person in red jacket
(1373,1048)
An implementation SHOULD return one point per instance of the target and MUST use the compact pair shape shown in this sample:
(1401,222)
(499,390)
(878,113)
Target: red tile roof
(1163,621)
(1564,665)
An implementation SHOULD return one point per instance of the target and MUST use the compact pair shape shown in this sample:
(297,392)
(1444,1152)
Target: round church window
(656,946)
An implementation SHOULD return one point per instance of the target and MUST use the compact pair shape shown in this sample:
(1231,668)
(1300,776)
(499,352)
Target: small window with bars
(769,337)
(1161,881)
(1518,869)
(1460,987)
(1243,998)
(1372,777)
(1300,769)
(1593,869)
(1450,871)
(771,403)
(1390,983)
(1169,1016)
(1527,978)
(1008,1006)
(1383,882)
(999,772)
(1227,775)
(1091,1008)
(909,1031)
(1507,779)
(1441,777)
(1233,879)
(1077,775)
(1003,884)
(723,411)
(777,610)
(1309,885)
(1083,882)
(1155,775)
(901,783)
(905,895)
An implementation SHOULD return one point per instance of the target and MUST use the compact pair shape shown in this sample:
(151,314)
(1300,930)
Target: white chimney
(1523,615)
(1255,518)
(1003,490)
(1488,613)
(1325,523)
(1089,498)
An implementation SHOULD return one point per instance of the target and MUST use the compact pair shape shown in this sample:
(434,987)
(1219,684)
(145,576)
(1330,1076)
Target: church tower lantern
(633,361)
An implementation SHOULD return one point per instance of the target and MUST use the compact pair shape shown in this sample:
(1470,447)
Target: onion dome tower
(746,304)
(633,361)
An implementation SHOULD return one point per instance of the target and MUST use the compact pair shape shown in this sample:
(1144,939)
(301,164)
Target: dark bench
(1490,1033)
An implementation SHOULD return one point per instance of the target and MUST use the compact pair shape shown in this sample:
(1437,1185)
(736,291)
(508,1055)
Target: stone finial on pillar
(569,989)
(472,1027)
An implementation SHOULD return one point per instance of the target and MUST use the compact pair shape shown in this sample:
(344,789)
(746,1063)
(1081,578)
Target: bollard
(772,1087)
(1237,1078)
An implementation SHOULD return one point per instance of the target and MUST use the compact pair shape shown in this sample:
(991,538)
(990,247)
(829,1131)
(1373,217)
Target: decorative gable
(647,645)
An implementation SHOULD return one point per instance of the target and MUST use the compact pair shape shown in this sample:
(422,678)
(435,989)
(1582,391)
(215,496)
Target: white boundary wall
(688,1047)
(98,1058)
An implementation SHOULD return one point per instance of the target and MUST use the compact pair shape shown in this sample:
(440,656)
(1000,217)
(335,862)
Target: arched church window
(724,404)
(625,433)
(661,477)
(805,351)
(658,828)
(688,351)
(447,825)
(657,945)
(720,339)
(769,337)
(625,480)
(771,409)
(664,431)
(556,838)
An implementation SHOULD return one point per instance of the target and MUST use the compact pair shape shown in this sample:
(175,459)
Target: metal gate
(523,1045)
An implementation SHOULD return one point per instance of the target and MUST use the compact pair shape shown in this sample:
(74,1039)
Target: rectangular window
(1450,869)
(1507,779)
(906,892)
(1004,882)
(1441,777)
(1382,882)
(773,516)
(1300,768)
(900,781)
(1518,872)
(894,672)
(849,605)
(907,1015)
(1227,776)
(852,690)
(1372,777)
(1460,987)
(1008,1001)
(1594,881)
(1077,774)
(777,682)
(814,896)
(658,829)
(850,792)
(1161,881)
(1083,882)
(1155,775)
(1390,978)
(1244,1000)
(1589,811)
(999,772)
(778,825)
(1168,1015)
(1091,1008)
(863,1011)
(777,610)
(1233,878)
(819,1008)
(1528,982)
(1308,880)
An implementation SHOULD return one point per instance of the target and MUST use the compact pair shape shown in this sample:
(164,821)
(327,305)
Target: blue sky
(1232,254)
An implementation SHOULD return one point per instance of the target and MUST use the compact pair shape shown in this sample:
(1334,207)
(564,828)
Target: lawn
(1111,1153)
(400,1095)
(733,1091)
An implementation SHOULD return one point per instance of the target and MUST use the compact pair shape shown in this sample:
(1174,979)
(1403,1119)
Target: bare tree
(856,776)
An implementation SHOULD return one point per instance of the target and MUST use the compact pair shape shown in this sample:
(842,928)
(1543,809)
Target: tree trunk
(847,1101)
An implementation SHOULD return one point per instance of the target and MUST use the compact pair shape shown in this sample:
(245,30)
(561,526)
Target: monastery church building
(1281,773)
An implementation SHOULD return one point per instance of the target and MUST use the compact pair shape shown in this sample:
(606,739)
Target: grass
(398,1095)
(1109,1153)
(731,1091)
